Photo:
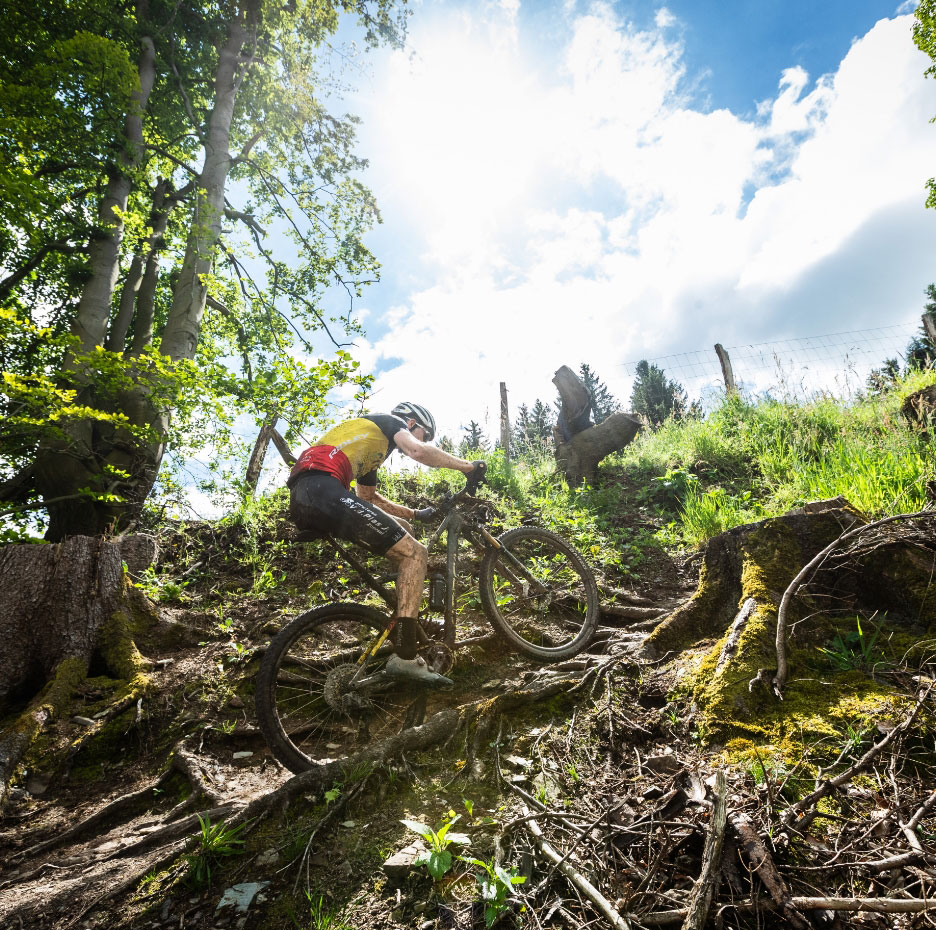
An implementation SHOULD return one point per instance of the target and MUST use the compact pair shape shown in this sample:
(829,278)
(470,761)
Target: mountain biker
(321,499)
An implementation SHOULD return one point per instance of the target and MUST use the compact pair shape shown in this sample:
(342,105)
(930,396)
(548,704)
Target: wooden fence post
(929,324)
(504,422)
(727,373)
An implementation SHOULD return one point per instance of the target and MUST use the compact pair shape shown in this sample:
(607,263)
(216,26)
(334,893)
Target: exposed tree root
(17,739)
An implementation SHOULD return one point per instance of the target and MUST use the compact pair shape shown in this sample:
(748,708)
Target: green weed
(495,885)
(438,860)
(216,842)
(854,650)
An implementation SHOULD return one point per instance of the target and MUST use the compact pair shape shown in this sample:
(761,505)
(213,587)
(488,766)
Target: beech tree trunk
(80,460)
(53,602)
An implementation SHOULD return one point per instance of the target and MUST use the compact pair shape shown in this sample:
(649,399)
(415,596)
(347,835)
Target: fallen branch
(754,850)
(582,884)
(872,905)
(704,889)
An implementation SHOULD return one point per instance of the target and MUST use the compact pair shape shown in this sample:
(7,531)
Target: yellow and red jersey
(352,450)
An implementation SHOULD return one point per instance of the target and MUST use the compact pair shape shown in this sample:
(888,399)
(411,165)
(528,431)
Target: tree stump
(580,446)
(730,622)
(59,604)
(919,408)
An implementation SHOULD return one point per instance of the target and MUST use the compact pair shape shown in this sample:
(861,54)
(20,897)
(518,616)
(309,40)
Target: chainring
(439,657)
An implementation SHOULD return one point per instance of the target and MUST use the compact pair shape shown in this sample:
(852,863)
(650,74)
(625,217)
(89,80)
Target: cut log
(575,415)
(579,458)
(919,408)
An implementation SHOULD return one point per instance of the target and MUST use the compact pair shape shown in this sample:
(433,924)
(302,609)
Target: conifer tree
(657,397)
(604,403)
(474,440)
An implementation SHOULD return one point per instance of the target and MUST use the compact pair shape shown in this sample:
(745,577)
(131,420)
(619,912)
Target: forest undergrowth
(585,794)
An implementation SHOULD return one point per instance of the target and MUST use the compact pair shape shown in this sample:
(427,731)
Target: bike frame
(455,526)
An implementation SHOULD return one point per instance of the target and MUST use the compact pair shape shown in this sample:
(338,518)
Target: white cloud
(588,211)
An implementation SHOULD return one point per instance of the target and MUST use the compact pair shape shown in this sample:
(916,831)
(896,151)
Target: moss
(105,749)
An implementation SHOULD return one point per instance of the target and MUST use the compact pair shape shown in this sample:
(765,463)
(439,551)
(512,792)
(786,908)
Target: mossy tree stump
(59,606)
(744,574)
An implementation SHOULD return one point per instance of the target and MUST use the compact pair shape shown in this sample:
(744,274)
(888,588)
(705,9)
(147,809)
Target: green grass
(746,461)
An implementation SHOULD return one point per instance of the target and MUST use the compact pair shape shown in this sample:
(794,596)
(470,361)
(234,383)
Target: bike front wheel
(539,594)
(317,700)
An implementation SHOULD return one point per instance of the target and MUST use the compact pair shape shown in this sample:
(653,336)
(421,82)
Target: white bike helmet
(423,418)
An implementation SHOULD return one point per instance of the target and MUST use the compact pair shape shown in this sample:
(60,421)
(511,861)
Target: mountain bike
(322,692)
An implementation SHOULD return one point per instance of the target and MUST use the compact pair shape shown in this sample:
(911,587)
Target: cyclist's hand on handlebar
(424,514)
(476,477)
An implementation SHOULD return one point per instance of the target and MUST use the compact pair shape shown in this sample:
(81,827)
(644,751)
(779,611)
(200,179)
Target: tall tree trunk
(66,466)
(183,326)
(94,308)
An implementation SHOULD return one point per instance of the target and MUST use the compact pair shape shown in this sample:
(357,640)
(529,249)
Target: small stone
(401,863)
(240,896)
(83,721)
(245,754)
(268,857)
(663,765)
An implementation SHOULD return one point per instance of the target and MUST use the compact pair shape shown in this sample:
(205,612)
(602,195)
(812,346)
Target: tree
(120,143)
(603,401)
(541,424)
(920,351)
(924,35)
(474,440)
(656,397)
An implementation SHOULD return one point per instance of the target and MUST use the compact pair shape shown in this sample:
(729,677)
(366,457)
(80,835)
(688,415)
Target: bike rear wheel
(308,709)
(539,594)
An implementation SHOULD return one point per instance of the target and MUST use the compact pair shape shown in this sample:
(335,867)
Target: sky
(567,182)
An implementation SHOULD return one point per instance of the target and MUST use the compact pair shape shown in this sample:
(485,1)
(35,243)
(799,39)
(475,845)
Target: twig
(578,881)
(779,680)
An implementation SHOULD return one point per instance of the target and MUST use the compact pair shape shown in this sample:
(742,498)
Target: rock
(663,765)
(38,784)
(240,756)
(83,721)
(401,863)
(240,896)
(268,857)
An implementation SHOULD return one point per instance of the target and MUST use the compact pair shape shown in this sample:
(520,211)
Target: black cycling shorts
(320,502)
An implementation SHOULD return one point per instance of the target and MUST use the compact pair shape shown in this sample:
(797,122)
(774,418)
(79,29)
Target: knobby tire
(304,709)
(548,610)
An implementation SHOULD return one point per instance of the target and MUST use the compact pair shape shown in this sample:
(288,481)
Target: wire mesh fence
(836,364)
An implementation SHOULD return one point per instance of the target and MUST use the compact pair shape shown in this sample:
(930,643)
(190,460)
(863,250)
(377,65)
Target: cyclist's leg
(411,558)
(324,501)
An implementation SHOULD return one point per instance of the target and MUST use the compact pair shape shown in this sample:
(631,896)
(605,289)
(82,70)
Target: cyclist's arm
(429,455)
(370,494)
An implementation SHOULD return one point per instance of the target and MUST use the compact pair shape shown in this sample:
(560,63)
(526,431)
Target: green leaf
(425,832)
(439,863)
